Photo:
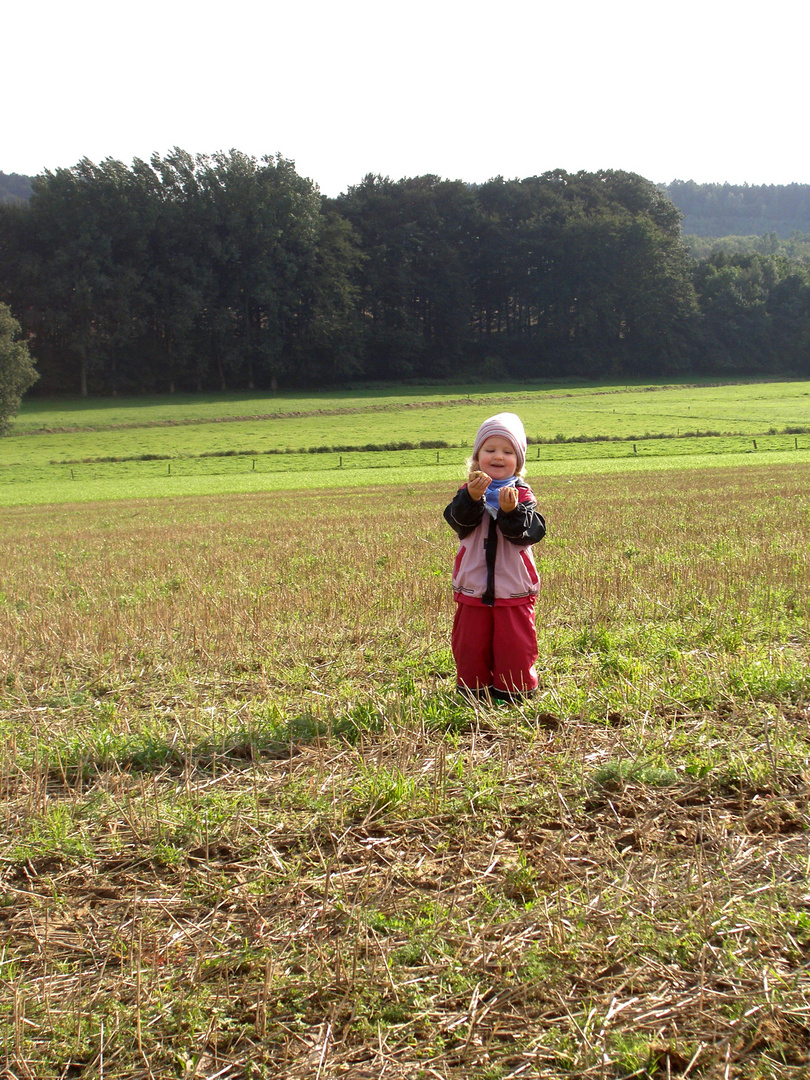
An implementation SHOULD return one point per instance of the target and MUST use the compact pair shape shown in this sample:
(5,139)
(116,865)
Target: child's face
(497,458)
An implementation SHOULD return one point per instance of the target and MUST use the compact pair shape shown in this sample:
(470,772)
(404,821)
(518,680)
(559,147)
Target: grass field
(144,448)
(247,829)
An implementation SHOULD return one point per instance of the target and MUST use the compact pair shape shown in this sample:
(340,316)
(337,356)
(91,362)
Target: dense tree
(17,372)
(788,307)
(582,273)
(14,188)
(741,209)
(755,314)
(223,271)
(416,236)
(79,253)
(796,248)
(324,342)
(631,302)
(186,270)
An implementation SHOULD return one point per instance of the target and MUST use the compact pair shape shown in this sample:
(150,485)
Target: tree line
(224,271)
(741,209)
(796,248)
(14,187)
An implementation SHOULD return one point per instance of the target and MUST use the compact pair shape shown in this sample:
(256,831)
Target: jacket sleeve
(524,525)
(464,513)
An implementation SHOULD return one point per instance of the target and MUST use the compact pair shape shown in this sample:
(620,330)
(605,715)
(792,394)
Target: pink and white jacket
(494,563)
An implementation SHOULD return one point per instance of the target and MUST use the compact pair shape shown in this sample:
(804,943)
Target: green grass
(152,449)
(148,480)
(394,413)
(37,414)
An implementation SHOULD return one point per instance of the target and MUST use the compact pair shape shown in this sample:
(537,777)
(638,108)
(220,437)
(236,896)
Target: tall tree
(254,241)
(418,237)
(17,372)
(755,313)
(325,341)
(81,272)
(582,273)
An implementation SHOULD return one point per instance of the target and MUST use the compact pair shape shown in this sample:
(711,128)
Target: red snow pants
(495,647)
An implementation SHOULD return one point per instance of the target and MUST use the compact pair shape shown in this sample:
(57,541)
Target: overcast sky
(711,91)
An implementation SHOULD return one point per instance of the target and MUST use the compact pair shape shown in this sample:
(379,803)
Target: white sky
(707,90)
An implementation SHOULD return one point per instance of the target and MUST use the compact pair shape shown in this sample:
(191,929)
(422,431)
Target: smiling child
(495,579)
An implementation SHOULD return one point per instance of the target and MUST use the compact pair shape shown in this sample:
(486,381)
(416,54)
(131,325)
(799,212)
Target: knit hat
(509,426)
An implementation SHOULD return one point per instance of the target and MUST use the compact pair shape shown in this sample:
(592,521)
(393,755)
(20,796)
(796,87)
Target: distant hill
(741,209)
(14,187)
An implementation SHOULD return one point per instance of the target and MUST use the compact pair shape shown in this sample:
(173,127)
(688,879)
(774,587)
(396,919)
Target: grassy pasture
(604,409)
(105,480)
(248,830)
(118,449)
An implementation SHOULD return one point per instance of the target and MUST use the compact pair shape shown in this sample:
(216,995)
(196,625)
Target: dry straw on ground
(247,829)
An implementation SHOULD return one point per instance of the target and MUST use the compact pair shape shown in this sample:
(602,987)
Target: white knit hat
(509,426)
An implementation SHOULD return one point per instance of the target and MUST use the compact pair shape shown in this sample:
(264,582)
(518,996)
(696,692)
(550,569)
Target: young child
(494,577)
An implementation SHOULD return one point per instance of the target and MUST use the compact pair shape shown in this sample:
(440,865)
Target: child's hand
(508,499)
(478,484)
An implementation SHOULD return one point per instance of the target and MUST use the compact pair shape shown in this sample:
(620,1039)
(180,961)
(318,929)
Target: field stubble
(248,830)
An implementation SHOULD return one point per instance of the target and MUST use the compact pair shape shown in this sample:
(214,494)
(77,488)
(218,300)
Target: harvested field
(248,830)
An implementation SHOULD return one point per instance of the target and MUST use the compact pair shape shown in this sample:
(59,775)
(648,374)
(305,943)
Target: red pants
(495,647)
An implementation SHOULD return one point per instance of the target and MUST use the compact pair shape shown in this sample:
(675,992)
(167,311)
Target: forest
(14,188)
(223,271)
(741,209)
